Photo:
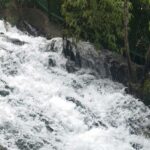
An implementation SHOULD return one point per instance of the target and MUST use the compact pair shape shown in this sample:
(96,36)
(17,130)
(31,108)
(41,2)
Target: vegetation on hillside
(102,23)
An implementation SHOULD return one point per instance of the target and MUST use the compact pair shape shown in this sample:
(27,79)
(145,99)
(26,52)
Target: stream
(43,107)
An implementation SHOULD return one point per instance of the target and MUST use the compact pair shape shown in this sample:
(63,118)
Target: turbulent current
(43,107)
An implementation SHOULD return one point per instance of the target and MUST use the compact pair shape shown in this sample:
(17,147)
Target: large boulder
(31,20)
(106,64)
(83,55)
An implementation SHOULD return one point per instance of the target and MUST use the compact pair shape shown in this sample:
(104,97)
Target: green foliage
(100,22)
(139,36)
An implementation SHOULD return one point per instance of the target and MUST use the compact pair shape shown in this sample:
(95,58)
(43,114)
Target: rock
(71,66)
(4,93)
(119,72)
(47,125)
(24,144)
(106,64)
(26,27)
(29,21)
(79,56)
(76,102)
(52,46)
(15,41)
(51,62)
(137,146)
(69,50)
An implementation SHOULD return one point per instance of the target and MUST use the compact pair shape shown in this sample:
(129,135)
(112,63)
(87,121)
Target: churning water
(43,107)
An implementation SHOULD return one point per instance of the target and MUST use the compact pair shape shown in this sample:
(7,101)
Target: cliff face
(40,22)
(108,65)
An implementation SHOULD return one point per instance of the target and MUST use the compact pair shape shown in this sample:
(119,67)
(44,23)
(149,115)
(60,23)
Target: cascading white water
(45,108)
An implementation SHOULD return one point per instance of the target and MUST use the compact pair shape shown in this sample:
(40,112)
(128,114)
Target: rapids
(43,107)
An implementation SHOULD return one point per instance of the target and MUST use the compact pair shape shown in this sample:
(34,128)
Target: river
(43,107)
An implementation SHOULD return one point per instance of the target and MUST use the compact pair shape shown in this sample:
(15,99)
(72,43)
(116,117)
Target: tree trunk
(147,63)
(126,42)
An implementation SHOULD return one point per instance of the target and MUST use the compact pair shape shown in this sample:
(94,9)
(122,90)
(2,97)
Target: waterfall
(43,107)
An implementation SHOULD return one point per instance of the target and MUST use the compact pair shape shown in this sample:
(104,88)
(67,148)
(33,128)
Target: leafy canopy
(99,21)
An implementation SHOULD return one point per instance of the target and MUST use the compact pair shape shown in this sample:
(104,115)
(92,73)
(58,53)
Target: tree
(139,34)
(99,22)
(126,42)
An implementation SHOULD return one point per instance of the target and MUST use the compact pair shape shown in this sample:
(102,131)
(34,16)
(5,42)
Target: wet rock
(51,62)
(76,84)
(52,46)
(106,64)
(119,72)
(136,146)
(71,66)
(68,49)
(100,124)
(4,93)
(76,57)
(1,33)
(83,55)
(9,88)
(25,26)
(13,40)
(22,144)
(29,21)
(47,125)
(76,102)
(17,41)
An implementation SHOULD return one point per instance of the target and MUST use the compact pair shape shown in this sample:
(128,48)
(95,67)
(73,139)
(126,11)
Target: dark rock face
(15,41)
(81,55)
(5,90)
(51,62)
(29,21)
(119,72)
(4,93)
(71,66)
(105,64)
